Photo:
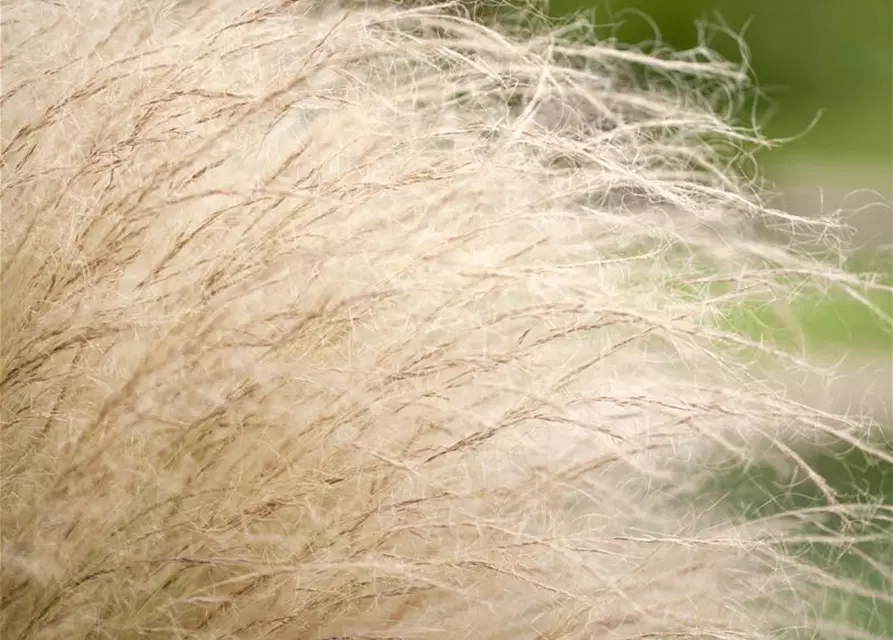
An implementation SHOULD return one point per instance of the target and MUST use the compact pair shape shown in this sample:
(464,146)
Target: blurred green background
(807,56)
(824,70)
(833,60)
(823,77)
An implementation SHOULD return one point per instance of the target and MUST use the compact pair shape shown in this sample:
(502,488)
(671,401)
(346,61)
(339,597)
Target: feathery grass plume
(317,324)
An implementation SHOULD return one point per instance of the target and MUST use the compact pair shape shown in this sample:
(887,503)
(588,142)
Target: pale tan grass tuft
(315,325)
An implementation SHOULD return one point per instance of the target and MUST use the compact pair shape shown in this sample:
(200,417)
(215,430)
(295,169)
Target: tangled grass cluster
(380,323)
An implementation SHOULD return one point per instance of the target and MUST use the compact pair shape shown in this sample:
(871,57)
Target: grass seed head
(374,323)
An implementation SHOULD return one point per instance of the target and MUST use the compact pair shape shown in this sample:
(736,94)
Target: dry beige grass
(319,324)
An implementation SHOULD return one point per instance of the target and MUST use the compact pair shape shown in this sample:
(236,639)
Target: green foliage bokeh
(809,57)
